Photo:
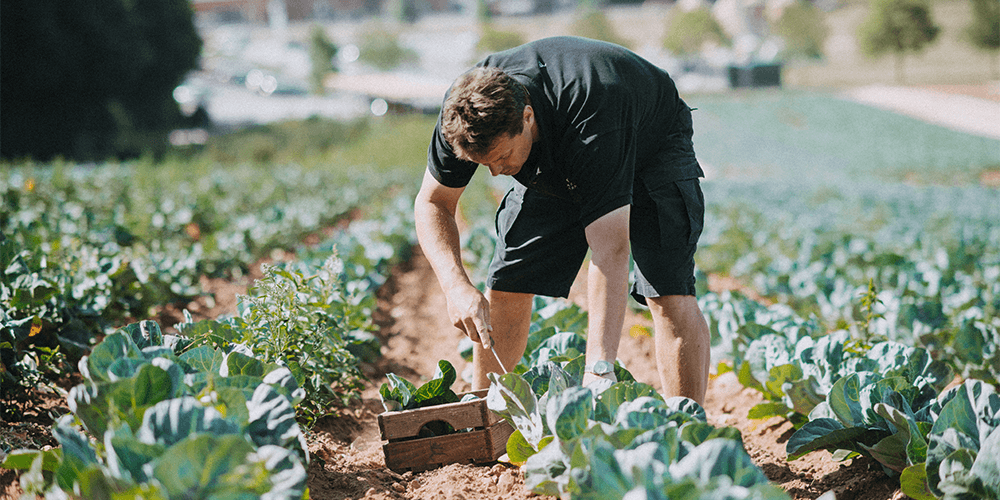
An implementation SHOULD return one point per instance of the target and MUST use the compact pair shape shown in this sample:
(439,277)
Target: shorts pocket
(694,206)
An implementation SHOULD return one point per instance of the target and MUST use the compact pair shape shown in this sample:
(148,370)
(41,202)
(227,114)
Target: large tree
(898,27)
(92,79)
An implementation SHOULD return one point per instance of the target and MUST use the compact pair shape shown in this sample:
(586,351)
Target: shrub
(804,30)
(688,32)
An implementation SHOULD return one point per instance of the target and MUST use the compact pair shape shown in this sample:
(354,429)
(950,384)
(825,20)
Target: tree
(803,29)
(321,54)
(689,31)
(92,79)
(591,22)
(898,27)
(984,30)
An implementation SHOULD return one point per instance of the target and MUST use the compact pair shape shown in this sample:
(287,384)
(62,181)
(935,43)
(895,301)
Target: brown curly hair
(484,104)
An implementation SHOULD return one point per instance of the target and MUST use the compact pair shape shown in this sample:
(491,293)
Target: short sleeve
(442,163)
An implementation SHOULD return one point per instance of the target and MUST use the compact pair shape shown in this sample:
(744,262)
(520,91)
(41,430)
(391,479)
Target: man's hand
(470,312)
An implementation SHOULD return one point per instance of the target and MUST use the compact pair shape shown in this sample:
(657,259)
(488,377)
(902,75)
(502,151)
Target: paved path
(973,115)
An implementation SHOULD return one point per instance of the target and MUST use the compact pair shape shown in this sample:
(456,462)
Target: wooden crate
(404,450)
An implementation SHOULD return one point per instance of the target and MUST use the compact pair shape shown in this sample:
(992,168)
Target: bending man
(599,142)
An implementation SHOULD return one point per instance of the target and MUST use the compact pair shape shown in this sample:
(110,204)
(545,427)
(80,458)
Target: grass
(816,136)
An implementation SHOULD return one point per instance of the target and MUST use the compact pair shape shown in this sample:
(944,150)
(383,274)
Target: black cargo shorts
(541,243)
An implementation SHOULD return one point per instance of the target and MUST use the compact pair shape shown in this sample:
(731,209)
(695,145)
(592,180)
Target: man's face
(509,152)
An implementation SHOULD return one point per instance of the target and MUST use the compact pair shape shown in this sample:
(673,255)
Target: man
(599,143)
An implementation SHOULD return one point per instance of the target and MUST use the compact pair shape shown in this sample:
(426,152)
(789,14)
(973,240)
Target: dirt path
(416,333)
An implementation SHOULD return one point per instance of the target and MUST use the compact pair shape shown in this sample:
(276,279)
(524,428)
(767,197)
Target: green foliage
(493,39)
(984,29)
(611,439)
(321,54)
(897,27)
(380,47)
(689,31)
(305,318)
(166,422)
(594,24)
(284,142)
(961,455)
(804,30)
(93,79)
(399,394)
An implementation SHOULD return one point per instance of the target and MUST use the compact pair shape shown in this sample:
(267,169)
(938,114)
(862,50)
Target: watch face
(602,367)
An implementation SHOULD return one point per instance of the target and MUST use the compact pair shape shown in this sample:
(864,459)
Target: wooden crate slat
(406,424)
(428,453)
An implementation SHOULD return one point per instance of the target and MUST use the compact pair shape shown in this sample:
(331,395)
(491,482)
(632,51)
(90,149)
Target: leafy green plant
(304,318)
(882,409)
(961,458)
(158,418)
(399,394)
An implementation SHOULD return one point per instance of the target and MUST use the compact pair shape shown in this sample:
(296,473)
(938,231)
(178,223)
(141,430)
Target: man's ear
(529,114)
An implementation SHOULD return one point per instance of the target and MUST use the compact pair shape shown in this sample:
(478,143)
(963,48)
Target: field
(231,322)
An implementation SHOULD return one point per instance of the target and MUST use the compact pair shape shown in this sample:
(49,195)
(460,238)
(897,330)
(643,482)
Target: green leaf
(437,390)
(238,363)
(114,347)
(23,459)
(987,464)
(518,448)
(613,397)
(203,359)
(205,464)
(913,482)
(512,398)
(173,420)
(822,433)
(767,410)
(569,411)
(845,400)
(719,457)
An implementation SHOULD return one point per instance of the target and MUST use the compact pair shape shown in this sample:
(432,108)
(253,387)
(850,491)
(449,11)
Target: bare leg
(510,317)
(683,346)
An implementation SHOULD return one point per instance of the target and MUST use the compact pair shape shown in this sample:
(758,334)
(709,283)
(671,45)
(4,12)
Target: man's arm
(435,210)
(607,284)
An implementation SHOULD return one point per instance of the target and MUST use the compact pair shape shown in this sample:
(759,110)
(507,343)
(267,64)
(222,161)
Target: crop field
(194,329)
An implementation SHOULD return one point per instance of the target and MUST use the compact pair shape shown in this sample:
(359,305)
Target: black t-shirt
(603,114)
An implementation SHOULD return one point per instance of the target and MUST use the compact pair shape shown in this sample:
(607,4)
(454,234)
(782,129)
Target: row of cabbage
(154,418)
(612,439)
(930,255)
(879,295)
(221,400)
(84,248)
(854,395)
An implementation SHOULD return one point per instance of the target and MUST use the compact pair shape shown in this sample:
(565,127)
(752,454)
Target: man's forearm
(437,233)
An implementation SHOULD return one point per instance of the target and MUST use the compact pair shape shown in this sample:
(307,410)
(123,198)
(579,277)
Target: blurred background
(93,80)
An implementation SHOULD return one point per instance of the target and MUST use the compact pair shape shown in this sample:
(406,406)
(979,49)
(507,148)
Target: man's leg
(683,345)
(510,316)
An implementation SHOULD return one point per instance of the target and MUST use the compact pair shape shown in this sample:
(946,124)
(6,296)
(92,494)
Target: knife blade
(498,358)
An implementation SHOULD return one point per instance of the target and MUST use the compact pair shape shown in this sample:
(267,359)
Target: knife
(497,357)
